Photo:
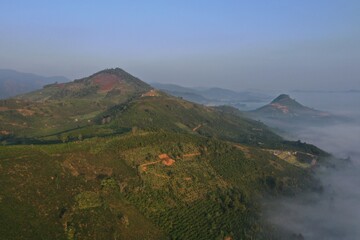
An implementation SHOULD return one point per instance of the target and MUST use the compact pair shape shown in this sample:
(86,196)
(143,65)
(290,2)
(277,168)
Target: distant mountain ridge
(213,96)
(13,83)
(326,91)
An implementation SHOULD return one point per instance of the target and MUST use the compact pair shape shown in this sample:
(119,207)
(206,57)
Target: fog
(335,213)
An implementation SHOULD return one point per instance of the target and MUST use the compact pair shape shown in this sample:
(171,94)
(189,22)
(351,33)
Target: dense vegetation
(101,188)
(106,157)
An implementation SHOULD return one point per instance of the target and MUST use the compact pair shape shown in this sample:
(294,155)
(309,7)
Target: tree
(80,137)
(134,129)
(64,138)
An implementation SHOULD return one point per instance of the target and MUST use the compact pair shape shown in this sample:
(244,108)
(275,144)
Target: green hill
(62,107)
(108,157)
(121,188)
(113,101)
(110,84)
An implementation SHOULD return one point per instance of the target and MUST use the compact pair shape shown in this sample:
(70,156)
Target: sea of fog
(334,214)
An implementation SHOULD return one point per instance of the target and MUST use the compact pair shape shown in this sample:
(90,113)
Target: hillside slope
(113,101)
(108,157)
(62,107)
(144,185)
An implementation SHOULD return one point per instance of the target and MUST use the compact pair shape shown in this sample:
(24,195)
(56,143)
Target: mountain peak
(108,83)
(285,106)
(107,79)
(286,101)
(115,71)
(282,97)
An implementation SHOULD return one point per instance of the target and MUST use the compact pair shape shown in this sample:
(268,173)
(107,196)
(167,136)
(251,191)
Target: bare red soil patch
(151,93)
(163,156)
(144,166)
(3,109)
(191,154)
(25,112)
(106,81)
(4,132)
(166,160)
(283,108)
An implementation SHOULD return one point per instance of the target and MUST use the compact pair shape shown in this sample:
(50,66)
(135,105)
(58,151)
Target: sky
(242,45)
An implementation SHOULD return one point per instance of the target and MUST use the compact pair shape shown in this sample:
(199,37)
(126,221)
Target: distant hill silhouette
(213,96)
(13,83)
(285,111)
(285,107)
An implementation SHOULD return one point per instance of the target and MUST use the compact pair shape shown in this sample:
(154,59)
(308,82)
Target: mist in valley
(334,213)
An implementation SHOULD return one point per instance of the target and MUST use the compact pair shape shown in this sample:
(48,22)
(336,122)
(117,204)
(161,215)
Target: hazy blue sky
(269,44)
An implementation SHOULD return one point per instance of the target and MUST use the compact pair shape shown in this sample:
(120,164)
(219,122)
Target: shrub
(88,200)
